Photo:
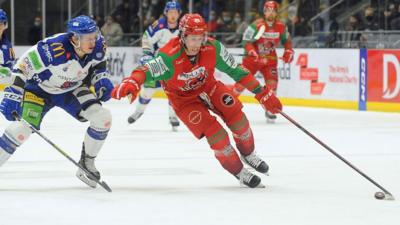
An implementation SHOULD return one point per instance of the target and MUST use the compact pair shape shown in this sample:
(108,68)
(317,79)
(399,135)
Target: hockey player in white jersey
(58,71)
(7,56)
(156,36)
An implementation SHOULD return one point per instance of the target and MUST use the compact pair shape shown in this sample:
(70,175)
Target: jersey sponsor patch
(26,66)
(227,100)
(271,35)
(248,34)
(30,97)
(58,49)
(46,50)
(157,67)
(195,117)
(227,57)
(34,58)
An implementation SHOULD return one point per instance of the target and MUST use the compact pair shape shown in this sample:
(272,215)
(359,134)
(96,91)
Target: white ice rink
(160,177)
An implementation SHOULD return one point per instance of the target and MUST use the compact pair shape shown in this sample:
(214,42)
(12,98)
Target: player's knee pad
(99,117)
(15,135)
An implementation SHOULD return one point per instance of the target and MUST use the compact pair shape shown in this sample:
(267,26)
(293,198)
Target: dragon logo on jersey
(194,79)
(266,48)
(195,73)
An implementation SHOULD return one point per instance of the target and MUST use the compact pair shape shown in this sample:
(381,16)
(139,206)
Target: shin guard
(218,140)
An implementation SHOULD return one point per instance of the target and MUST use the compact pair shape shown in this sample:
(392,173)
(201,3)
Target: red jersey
(185,76)
(265,46)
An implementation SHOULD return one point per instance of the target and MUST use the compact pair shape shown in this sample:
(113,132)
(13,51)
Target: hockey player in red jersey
(186,68)
(260,52)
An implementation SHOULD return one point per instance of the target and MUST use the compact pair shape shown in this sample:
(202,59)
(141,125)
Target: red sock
(224,151)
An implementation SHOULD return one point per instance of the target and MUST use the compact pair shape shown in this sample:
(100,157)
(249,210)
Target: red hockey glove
(288,55)
(269,101)
(129,87)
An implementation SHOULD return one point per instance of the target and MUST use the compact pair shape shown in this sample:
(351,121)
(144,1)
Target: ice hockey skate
(173,120)
(256,162)
(135,116)
(271,118)
(87,162)
(249,179)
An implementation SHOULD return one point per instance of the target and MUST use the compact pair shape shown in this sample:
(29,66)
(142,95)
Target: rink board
(329,78)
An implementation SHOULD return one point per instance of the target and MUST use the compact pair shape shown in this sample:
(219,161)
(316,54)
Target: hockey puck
(379,195)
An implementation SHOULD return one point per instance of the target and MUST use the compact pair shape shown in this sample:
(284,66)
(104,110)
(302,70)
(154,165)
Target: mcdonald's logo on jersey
(58,49)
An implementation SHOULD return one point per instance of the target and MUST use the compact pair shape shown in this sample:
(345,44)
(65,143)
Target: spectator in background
(35,32)
(353,35)
(228,25)
(151,11)
(240,26)
(124,14)
(157,10)
(98,19)
(298,27)
(225,26)
(112,32)
(371,21)
(333,27)
(395,22)
(387,16)
(212,22)
(204,8)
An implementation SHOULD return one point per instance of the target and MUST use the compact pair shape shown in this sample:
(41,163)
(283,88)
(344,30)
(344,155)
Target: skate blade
(175,128)
(82,176)
(271,121)
(260,185)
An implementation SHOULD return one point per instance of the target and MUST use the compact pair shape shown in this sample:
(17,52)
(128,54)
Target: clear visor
(90,37)
(269,10)
(195,39)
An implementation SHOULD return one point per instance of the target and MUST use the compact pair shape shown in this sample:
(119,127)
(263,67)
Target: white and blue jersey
(54,67)
(7,55)
(157,35)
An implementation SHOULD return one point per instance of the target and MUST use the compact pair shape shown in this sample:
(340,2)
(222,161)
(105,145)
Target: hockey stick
(260,32)
(386,195)
(101,183)
(258,35)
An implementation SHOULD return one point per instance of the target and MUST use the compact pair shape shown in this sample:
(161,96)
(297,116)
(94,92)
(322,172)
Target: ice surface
(162,177)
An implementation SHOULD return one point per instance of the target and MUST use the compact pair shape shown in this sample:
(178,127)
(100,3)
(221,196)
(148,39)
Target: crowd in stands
(227,20)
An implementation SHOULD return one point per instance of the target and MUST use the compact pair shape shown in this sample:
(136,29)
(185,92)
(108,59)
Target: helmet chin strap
(77,46)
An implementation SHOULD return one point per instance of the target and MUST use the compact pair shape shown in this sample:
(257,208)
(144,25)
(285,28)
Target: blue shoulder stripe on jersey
(53,50)
(157,25)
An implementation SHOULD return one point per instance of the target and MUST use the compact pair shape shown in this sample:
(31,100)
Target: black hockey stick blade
(388,195)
